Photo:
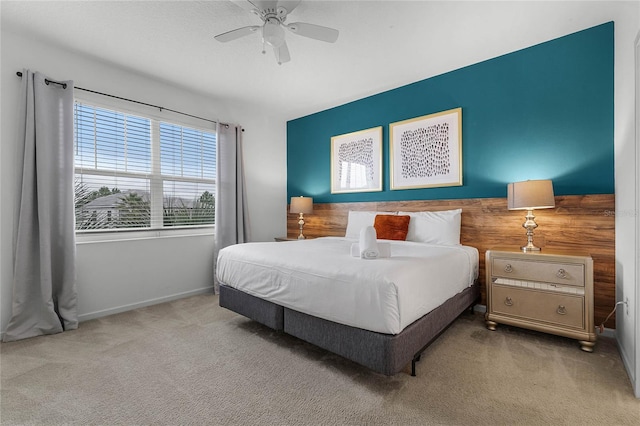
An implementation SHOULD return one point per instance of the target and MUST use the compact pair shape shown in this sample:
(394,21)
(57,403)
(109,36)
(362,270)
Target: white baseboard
(129,307)
(608,332)
(480,308)
(628,368)
(142,304)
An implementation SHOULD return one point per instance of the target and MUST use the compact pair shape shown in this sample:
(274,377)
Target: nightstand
(545,291)
(279,239)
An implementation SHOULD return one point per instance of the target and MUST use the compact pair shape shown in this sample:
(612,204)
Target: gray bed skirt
(384,353)
(257,309)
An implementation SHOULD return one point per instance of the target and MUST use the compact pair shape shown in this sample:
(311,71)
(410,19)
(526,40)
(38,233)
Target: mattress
(319,277)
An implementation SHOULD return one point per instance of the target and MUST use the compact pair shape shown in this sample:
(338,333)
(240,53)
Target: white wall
(636,381)
(116,276)
(119,275)
(627,25)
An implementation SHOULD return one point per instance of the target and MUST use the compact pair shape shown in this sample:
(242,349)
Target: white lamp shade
(530,195)
(301,205)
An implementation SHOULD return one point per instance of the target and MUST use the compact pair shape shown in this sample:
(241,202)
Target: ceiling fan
(273,14)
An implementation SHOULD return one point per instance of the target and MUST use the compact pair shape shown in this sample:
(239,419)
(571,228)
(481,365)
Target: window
(187,166)
(135,172)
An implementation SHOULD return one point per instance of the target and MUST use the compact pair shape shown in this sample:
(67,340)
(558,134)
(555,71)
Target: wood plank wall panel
(582,223)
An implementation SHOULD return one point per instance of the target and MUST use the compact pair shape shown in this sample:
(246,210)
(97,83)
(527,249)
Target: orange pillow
(391,227)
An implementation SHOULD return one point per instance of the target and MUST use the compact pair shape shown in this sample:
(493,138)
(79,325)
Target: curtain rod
(64,86)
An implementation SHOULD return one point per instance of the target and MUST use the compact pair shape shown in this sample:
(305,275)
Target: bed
(379,313)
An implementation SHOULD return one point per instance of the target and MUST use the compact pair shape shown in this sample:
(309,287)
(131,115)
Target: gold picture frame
(426,151)
(356,161)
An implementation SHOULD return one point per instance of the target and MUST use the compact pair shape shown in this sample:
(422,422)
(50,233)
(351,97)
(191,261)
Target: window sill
(86,237)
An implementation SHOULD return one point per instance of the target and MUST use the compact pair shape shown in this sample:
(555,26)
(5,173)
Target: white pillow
(439,227)
(361,219)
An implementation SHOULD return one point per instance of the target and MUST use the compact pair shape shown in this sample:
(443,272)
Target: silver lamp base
(531,247)
(301,224)
(530,224)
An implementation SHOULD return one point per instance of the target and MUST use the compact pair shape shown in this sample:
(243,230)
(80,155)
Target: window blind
(187,158)
(121,184)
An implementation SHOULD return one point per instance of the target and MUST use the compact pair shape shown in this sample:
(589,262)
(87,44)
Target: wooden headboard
(584,223)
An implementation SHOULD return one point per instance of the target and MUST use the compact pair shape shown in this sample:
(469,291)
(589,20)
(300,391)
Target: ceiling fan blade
(317,32)
(244,4)
(282,53)
(289,5)
(237,33)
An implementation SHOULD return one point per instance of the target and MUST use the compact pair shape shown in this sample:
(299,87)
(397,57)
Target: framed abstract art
(426,151)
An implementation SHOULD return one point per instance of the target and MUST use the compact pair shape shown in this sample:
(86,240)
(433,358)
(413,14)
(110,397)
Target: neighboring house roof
(111,202)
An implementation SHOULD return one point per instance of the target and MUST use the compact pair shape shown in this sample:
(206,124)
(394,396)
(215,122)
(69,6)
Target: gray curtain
(232,214)
(44,287)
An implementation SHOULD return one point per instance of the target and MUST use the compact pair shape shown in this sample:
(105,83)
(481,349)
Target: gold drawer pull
(561,310)
(508,301)
(508,268)
(561,273)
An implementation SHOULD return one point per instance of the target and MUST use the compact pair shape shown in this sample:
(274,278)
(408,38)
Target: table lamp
(301,205)
(530,195)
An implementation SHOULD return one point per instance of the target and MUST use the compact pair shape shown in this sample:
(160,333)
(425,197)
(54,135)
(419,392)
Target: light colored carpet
(192,362)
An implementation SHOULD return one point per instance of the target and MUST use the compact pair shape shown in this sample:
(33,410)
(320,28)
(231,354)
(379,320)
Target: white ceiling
(382,44)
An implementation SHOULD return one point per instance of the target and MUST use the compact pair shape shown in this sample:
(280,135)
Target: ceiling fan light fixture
(272,33)
(273,14)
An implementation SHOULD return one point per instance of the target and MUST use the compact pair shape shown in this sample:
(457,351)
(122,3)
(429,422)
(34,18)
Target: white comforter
(320,277)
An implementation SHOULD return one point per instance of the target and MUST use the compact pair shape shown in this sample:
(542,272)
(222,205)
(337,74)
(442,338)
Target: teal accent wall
(544,112)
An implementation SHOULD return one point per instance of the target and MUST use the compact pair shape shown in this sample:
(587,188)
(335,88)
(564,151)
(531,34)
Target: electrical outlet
(626,304)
